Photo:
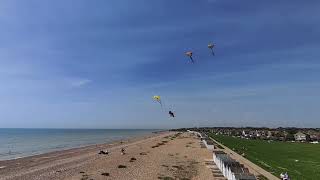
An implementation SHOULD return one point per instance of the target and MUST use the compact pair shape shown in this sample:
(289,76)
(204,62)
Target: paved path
(256,170)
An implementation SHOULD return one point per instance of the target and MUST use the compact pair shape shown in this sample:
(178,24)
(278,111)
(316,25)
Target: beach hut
(208,143)
(230,168)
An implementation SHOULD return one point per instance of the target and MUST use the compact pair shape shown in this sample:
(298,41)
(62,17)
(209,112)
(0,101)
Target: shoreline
(14,165)
(40,151)
(84,147)
(153,156)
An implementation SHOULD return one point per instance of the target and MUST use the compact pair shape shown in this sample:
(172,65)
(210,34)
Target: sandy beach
(165,155)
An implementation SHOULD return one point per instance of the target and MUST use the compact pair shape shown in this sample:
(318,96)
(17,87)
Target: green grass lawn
(300,160)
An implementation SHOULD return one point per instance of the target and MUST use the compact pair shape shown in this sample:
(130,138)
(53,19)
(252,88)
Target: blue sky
(97,64)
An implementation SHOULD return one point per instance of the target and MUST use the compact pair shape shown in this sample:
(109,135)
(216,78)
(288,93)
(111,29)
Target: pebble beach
(165,155)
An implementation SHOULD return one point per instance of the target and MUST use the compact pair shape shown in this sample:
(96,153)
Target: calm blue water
(16,143)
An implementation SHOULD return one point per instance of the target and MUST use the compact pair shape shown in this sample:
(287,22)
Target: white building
(208,143)
(300,136)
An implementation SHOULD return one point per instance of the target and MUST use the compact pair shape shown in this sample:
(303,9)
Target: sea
(18,143)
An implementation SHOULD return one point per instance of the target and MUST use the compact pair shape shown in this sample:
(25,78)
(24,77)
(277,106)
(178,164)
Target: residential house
(245,133)
(269,134)
(299,136)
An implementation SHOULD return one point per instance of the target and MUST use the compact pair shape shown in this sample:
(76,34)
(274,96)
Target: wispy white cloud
(80,82)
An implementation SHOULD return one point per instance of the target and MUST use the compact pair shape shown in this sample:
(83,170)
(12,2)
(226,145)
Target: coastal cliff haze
(98,64)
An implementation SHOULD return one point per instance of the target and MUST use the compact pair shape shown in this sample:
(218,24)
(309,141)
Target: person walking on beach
(123,151)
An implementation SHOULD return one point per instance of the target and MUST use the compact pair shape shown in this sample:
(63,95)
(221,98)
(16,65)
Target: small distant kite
(158,99)
(189,54)
(211,46)
(171,114)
